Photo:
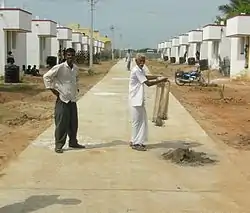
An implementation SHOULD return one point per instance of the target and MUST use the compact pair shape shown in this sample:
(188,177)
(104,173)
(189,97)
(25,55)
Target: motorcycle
(193,76)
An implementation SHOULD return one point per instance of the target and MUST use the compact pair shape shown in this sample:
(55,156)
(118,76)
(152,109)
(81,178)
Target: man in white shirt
(129,59)
(137,101)
(62,80)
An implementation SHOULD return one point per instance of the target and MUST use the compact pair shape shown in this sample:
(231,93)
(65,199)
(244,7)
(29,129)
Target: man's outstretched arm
(152,77)
(153,81)
(150,83)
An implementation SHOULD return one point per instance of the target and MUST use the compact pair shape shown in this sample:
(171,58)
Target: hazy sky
(141,23)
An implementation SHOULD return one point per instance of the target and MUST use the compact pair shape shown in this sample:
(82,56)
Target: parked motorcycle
(193,76)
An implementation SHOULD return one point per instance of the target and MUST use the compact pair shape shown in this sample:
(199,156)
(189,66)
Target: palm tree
(235,7)
(219,19)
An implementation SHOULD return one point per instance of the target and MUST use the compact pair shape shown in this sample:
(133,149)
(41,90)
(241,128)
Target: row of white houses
(215,42)
(32,40)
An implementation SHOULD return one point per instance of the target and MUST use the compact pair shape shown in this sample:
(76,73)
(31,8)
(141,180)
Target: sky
(138,23)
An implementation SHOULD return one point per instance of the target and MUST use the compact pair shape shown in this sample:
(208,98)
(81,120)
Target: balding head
(140,56)
(140,60)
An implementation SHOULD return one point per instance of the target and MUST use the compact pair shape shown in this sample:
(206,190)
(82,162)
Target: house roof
(87,31)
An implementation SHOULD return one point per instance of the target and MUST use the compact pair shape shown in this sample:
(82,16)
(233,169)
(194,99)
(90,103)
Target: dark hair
(9,52)
(70,50)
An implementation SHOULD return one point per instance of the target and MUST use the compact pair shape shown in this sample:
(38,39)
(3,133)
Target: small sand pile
(187,157)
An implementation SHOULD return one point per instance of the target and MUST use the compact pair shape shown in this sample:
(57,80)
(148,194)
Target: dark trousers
(66,121)
(128,65)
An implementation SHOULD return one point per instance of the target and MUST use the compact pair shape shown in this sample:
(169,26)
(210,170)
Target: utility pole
(91,34)
(121,46)
(112,28)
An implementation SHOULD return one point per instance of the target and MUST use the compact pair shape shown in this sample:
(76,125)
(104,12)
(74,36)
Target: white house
(100,46)
(77,41)
(85,44)
(38,44)
(158,47)
(161,48)
(218,45)
(64,34)
(92,46)
(239,31)
(168,45)
(14,24)
(175,49)
(67,44)
(184,45)
(95,46)
(194,40)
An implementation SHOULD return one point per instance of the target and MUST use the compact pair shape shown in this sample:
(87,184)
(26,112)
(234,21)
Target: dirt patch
(223,114)
(26,109)
(187,157)
(227,100)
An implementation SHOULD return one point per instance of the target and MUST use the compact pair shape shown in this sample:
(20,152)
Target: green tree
(219,19)
(235,7)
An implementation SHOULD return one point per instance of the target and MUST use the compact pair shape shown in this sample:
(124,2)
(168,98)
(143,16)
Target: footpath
(109,177)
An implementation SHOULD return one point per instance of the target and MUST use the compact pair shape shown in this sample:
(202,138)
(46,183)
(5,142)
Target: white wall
(85,47)
(192,50)
(168,52)
(33,50)
(204,50)
(237,59)
(77,46)
(54,46)
(3,51)
(177,53)
(217,50)
(48,47)
(225,47)
(68,44)
(21,49)
(38,48)
(17,44)
(173,52)
(183,49)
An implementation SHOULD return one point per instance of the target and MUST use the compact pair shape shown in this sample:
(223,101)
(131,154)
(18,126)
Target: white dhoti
(139,125)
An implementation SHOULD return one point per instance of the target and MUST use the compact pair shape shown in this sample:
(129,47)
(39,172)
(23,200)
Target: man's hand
(55,92)
(161,84)
(163,79)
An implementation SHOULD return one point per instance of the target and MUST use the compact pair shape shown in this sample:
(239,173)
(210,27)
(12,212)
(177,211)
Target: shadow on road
(37,202)
(171,144)
(102,145)
(174,144)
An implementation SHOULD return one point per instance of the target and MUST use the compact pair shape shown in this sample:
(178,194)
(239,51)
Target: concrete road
(109,177)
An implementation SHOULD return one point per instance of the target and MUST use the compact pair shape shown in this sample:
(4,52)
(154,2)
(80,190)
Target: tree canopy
(234,7)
